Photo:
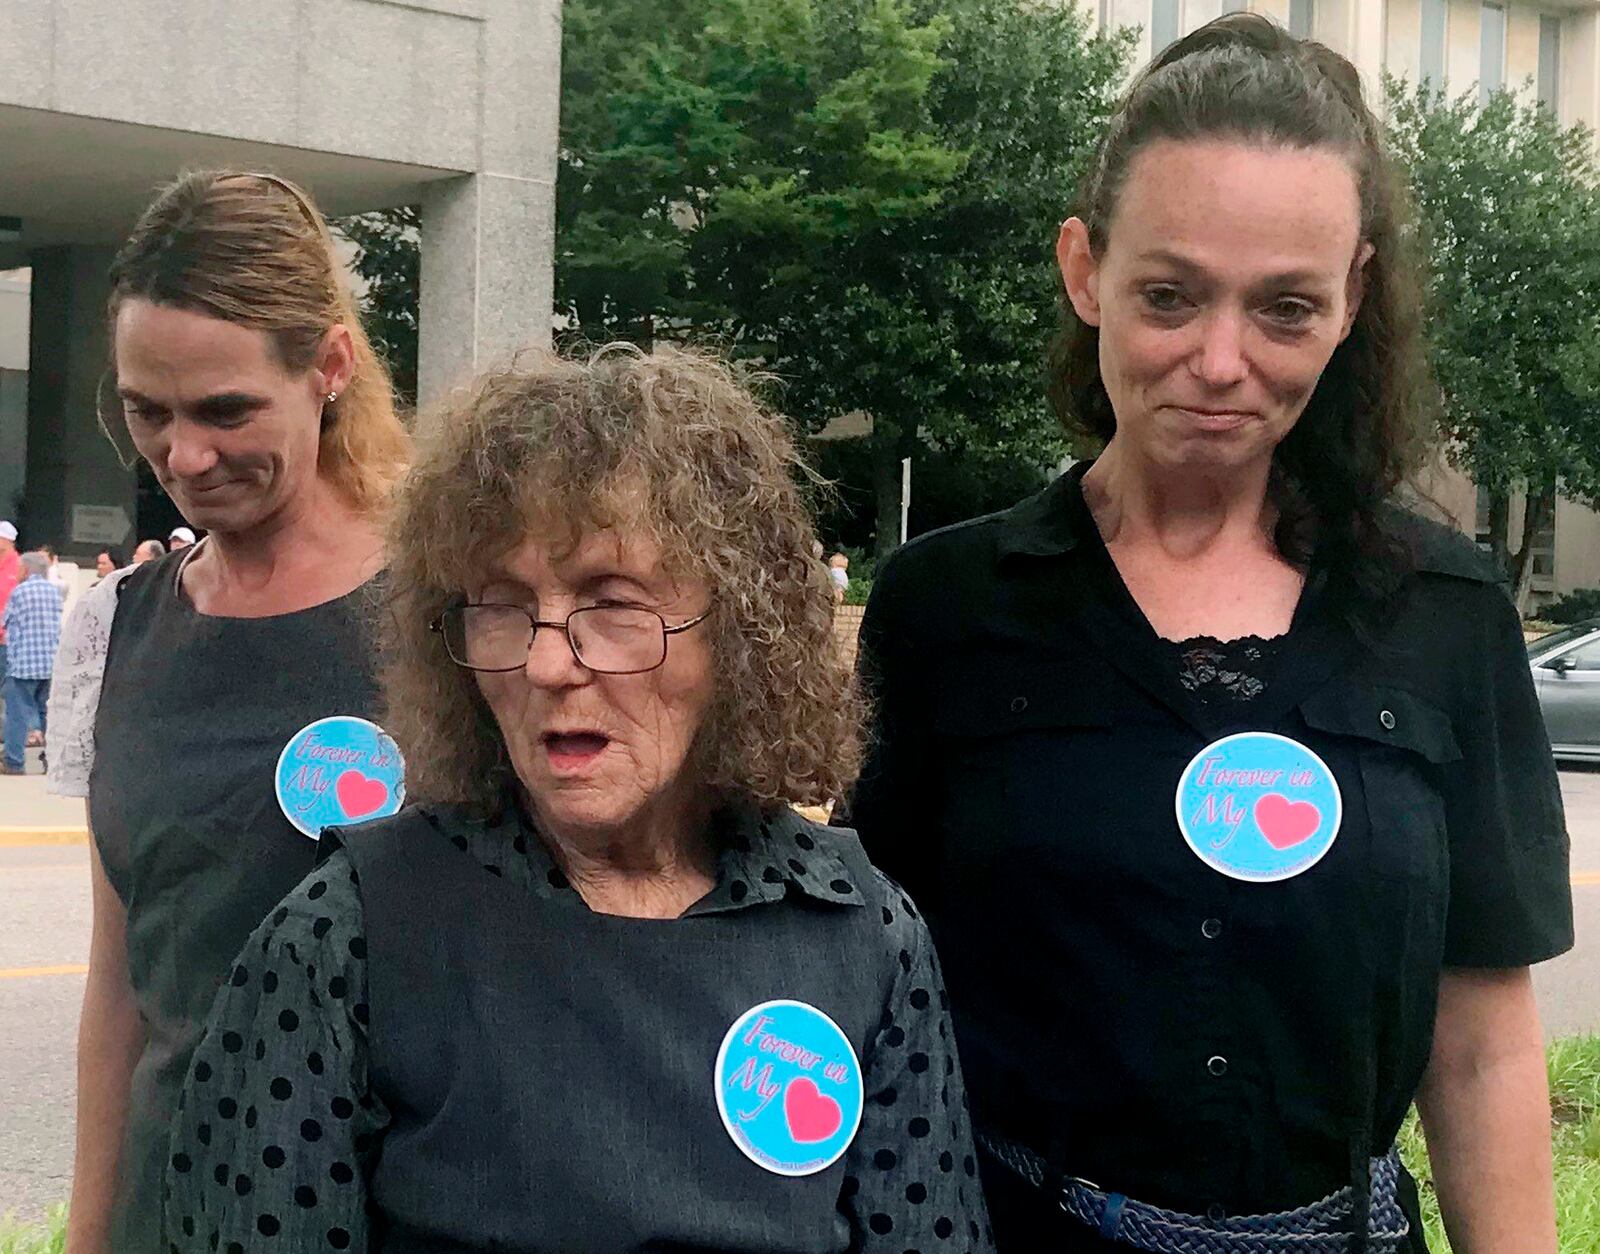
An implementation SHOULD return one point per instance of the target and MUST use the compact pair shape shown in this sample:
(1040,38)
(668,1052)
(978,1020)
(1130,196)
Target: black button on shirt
(1032,732)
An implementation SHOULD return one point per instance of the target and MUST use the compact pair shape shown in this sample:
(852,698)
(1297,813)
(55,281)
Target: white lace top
(75,687)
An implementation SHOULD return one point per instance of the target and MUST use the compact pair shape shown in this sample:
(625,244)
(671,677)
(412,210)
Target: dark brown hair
(1369,425)
(254,250)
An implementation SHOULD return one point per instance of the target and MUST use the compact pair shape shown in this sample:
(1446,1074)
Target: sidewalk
(30,816)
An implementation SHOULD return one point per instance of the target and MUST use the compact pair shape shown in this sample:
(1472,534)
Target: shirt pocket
(1400,742)
(1010,733)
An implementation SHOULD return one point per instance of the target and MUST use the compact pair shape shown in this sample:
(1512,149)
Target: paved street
(44,942)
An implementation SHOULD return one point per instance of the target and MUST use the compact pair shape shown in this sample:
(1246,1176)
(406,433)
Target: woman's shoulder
(883,899)
(1435,548)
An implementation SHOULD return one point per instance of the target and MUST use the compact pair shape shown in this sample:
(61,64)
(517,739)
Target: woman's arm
(277,1126)
(911,1178)
(1485,1105)
(110,1039)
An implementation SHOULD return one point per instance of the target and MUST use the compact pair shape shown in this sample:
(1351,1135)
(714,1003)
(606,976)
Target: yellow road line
(22,973)
(29,837)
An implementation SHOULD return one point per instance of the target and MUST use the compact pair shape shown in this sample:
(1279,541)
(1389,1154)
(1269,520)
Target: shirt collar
(1049,523)
(763,855)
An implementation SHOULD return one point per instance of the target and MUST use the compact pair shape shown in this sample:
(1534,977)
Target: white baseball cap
(181,533)
(7,531)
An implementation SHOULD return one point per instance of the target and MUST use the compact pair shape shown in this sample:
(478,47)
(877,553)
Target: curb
(27,837)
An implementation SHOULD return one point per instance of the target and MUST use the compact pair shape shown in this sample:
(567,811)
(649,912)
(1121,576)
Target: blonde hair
(253,249)
(666,444)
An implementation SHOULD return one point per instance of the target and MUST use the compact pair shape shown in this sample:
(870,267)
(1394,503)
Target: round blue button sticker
(1259,807)
(339,770)
(789,1087)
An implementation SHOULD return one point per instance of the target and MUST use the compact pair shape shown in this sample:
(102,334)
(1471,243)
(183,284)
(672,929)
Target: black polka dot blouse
(283,1120)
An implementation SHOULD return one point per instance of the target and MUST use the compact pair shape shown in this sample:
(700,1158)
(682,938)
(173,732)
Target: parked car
(1566,673)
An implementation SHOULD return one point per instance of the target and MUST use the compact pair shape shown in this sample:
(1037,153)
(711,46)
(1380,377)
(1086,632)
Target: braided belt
(1320,1228)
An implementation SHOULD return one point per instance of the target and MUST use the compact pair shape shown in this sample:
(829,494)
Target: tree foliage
(1508,206)
(388,262)
(860,195)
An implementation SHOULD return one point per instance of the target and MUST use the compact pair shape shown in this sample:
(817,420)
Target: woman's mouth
(1214,419)
(573,751)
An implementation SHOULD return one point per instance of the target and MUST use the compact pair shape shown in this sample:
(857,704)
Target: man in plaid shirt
(32,622)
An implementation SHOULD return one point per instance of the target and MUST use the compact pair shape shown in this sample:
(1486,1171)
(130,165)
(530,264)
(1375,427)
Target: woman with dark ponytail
(1217,771)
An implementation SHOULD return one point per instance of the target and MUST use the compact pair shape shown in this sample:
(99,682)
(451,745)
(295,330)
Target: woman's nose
(551,661)
(1219,358)
(190,452)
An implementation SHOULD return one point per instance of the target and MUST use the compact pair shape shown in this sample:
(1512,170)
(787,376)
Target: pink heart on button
(1286,823)
(812,1115)
(359,795)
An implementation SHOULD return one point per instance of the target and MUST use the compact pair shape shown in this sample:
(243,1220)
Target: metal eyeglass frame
(667,631)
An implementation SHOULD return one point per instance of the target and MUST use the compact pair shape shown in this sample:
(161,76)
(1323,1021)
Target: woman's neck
(654,867)
(317,548)
(1182,512)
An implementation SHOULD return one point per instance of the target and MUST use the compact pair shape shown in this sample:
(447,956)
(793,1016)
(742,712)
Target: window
(1480,526)
(1302,17)
(1434,14)
(1491,51)
(1549,81)
(1163,24)
(1586,657)
(1542,549)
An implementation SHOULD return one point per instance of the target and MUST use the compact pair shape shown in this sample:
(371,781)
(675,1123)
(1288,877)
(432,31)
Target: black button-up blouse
(1192,1040)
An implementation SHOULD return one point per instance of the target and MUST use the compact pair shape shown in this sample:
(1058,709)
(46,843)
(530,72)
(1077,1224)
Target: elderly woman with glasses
(599,986)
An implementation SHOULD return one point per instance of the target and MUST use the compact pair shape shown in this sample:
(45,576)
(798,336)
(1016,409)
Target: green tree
(1509,210)
(860,195)
(388,262)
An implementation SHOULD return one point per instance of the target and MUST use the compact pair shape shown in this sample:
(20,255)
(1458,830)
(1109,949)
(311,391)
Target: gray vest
(550,1070)
(193,713)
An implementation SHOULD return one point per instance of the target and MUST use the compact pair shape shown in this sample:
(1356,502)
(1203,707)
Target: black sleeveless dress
(194,711)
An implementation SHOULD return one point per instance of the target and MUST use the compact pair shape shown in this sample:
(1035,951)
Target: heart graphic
(812,1116)
(1286,823)
(359,795)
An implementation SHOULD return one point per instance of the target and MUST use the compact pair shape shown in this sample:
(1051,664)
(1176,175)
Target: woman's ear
(1080,271)
(336,360)
(1355,288)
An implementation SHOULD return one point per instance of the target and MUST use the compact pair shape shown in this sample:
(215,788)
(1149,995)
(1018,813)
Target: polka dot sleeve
(911,1179)
(277,1123)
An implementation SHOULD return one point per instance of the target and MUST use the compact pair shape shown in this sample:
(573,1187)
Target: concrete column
(70,462)
(486,275)
(488,238)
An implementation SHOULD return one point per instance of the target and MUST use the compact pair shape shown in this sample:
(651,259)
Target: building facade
(1548,50)
(448,104)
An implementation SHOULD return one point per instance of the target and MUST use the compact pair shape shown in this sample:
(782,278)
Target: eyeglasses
(606,639)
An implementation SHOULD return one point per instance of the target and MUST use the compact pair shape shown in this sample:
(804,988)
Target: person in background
(54,574)
(181,538)
(10,573)
(249,388)
(148,551)
(839,576)
(32,622)
(105,562)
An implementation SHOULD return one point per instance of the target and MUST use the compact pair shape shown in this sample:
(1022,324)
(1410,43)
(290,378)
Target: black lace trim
(1217,671)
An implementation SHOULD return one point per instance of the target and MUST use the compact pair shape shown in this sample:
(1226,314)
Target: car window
(1586,657)
(1563,635)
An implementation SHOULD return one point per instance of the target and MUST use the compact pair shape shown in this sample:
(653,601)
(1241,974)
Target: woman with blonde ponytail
(216,707)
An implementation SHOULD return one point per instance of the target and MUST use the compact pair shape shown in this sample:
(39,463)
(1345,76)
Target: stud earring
(331,397)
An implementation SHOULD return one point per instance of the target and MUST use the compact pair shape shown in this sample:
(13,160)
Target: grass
(1574,1066)
(49,1237)
(1575,1132)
